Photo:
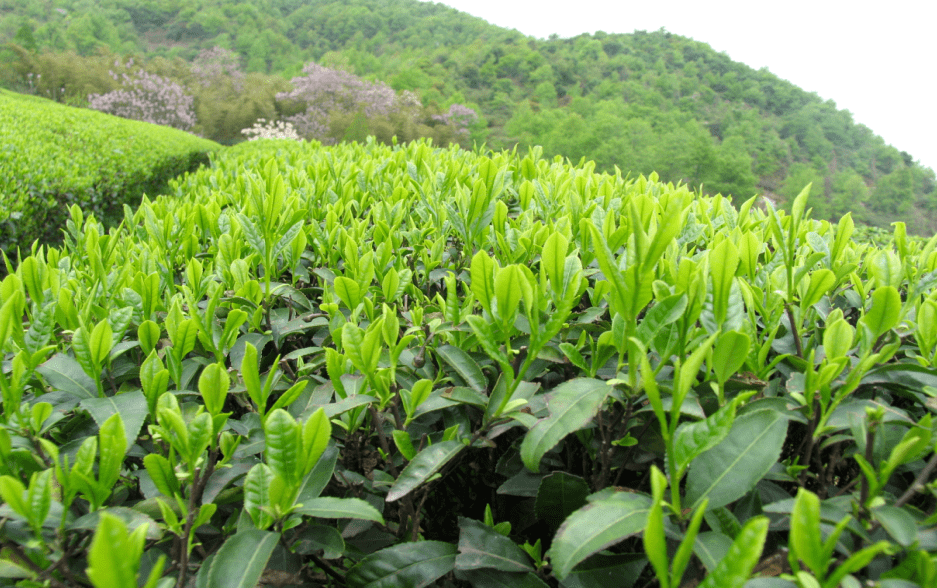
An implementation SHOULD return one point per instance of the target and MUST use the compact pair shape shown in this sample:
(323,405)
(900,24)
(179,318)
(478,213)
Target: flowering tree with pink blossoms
(147,97)
(217,64)
(329,105)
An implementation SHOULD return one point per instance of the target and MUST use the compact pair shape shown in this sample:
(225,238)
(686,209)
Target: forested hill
(647,101)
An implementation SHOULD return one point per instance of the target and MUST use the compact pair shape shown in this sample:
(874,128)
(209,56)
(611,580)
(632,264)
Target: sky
(876,60)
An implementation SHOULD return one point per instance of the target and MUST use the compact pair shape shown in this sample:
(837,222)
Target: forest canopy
(642,102)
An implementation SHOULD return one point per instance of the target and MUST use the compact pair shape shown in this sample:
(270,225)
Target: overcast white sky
(876,59)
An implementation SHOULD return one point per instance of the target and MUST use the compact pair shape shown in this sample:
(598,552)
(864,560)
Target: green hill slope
(52,156)
(642,102)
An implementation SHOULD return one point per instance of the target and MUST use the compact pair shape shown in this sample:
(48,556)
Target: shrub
(53,156)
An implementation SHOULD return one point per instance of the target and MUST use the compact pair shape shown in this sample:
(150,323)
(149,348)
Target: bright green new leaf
(685,377)
(736,567)
(316,434)
(729,354)
(112,442)
(510,286)
(655,544)
(348,292)
(404,444)
(723,261)
(805,543)
(553,260)
(685,551)
(483,284)
(284,446)
(257,499)
(389,284)
(213,385)
(13,493)
(114,557)
(885,310)
(148,335)
(820,283)
(838,338)
(162,474)
(250,373)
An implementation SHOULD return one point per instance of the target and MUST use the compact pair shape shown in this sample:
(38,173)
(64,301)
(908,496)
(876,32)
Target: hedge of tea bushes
(53,156)
(373,366)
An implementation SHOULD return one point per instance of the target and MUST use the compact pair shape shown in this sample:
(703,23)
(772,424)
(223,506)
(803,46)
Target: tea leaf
(573,404)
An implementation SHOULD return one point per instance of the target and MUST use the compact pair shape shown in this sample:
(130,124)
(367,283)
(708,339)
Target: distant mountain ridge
(647,101)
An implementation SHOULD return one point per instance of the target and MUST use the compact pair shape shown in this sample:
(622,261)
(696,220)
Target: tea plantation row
(379,366)
(53,156)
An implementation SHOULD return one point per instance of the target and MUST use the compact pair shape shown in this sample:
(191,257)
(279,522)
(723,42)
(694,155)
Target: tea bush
(53,156)
(378,366)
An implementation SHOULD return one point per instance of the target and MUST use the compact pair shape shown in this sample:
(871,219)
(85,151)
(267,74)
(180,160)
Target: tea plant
(406,366)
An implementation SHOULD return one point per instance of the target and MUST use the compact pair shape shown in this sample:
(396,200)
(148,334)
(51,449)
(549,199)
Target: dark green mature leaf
(607,571)
(898,522)
(573,404)
(425,464)
(596,526)
(488,578)
(480,546)
(728,471)
(320,475)
(131,406)
(560,494)
(242,559)
(63,373)
(328,507)
(414,565)
(133,519)
(711,547)
(465,366)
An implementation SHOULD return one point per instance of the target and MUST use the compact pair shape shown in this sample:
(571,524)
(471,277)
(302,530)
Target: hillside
(642,102)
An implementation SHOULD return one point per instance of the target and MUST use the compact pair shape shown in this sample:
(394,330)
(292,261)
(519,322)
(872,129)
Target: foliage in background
(648,101)
(53,156)
(369,365)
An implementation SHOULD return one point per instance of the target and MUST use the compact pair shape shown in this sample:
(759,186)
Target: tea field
(376,366)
